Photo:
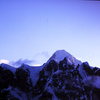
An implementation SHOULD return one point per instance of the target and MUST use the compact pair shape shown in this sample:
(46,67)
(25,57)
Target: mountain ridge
(57,79)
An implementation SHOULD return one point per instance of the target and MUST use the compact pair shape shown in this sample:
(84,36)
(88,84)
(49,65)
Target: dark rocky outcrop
(57,81)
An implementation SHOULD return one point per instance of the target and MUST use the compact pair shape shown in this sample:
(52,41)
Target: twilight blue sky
(35,29)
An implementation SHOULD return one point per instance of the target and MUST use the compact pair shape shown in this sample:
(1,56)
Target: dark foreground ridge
(63,77)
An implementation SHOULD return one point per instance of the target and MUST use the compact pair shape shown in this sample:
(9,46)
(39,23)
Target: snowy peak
(55,80)
(61,54)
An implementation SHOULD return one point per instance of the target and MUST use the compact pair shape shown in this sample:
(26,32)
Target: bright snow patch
(4,61)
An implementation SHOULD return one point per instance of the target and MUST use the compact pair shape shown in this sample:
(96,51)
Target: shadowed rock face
(6,78)
(97,72)
(96,94)
(57,81)
(23,80)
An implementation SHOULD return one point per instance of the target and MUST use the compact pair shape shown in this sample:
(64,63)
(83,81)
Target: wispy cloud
(38,60)
(45,54)
(41,57)
(22,61)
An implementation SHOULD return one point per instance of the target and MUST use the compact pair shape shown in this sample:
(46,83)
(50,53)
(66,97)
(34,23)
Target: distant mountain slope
(63,77)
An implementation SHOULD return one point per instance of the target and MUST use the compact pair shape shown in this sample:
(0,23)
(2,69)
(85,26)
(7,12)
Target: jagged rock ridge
(60,78)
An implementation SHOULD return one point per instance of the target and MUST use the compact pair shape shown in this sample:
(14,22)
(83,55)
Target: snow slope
(61,54)
(34,72)
(8,67)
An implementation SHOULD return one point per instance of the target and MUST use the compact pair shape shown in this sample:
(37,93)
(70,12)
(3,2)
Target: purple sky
(35,29)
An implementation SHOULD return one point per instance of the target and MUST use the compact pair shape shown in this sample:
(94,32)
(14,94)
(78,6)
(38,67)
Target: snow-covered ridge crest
(8,67)
(61,54)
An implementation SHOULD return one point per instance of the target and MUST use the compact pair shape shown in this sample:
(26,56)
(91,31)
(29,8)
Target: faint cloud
(45,54)
(41,57)
(4,61)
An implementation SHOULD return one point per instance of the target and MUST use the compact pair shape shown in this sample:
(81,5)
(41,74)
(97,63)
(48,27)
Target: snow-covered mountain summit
(61,54)
(62,77)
